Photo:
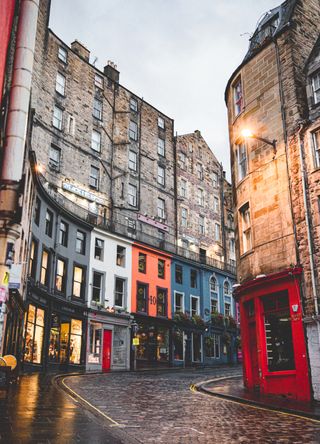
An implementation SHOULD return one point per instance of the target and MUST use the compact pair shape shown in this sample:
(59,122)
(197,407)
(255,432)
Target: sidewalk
(232,388)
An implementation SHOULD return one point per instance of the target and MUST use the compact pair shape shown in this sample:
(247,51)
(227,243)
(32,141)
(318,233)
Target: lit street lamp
(248,134)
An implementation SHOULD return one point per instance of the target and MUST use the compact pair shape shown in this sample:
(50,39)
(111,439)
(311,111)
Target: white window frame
(226,281)
(316,87)
(132,195)
(62,54)
(96,242)
(161,123)
(133,130)
(60,83)
(94,177)
(97,109)
(161,147)
(57,118)
(245,228)
(132,160)
(198,304)
(242,161)
(175,306)
(161,208)
(124,294)
(102,288)
(215,300)
(96,141)
(161,178)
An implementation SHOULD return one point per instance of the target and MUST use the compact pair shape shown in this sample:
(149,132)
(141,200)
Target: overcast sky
(176,54)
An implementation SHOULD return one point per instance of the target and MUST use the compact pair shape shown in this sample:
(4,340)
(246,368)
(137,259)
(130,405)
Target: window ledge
(247,253)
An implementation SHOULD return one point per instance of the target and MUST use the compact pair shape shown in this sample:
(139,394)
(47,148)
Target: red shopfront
(273,339)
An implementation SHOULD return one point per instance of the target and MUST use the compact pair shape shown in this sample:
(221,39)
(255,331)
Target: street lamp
(248,134)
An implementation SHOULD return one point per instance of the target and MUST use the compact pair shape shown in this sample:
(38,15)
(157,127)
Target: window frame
(161,177)
(121,256)
(81,243)
(100,248)
(161,147)
(101,287)
(175,274)
(62,54)
(161,271)
(161,123)
(63,234)
(145,298)
(161,209)
(124,291)
(193,275)
(63,276)
(133,104)
(82,282)
(316,147)
(144,268)
(60,87)
(97,110)
(49,223)
(96,142)
(132,162)
(133,130)
(315,90)
(94,177)
(98,81)
(57,121)
(132,197)
(54,163)
(242,161)
(175,300)
(164,304)
(197,298)
(237,94)
(245,228)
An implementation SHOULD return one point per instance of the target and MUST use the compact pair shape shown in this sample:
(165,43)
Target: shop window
(75,341)
(213,306)
(54,340)
(98,249)
(120,293)
(80,242)
(316,148)
(162,344)
(133,104)
(195,306)
(95,336)
(57,117)
(34,335)
(162,302)
(245,228)
(133,131)
(237,97)
(193,278)
(178,340)
(33,258)
(78,285)
(45,266)
(121,256)
(178,302)
(49,223)
(37,210)
(161,268)
(119,346)
(212,346)
(97,109)
(61,276)
(161,147)
(97,283)
(196,347)
(278,333)
(63,234)
(178,274)
(142,298)
(65,342)
(142,265)
(242,161)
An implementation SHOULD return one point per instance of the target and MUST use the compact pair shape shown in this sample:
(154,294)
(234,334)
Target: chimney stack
(81,50)
(110,70)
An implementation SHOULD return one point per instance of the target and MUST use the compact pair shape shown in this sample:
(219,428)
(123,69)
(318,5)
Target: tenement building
(272,100)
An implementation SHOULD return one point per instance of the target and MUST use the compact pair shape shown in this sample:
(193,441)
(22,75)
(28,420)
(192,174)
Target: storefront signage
(154,223)
(296,317)
(135,341)
(15,276)
(82,193)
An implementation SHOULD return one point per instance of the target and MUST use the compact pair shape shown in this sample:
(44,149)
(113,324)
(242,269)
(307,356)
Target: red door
(253,349)
(106,360)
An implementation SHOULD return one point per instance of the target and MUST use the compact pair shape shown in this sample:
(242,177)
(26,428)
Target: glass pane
(95,343)
(53,352)
(28,343)
(75,347)
(40,317)
(162,344)
(37,344)
(178,345)
(64,340)
(76,326)
(31,313)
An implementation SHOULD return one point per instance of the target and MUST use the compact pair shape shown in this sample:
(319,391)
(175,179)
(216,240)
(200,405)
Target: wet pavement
(143,407)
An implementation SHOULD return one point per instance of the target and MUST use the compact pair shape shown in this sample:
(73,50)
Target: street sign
(135,341)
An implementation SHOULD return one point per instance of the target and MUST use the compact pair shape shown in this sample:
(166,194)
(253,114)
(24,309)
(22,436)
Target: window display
(34,335)
(119,346)
(65,340)
(95,343)
(54,339)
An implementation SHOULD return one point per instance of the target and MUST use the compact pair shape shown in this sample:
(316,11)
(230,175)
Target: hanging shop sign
(154,223)
(135,341)
(15,276)
(81,192)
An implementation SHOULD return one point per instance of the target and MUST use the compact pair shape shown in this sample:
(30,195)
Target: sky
(176,54)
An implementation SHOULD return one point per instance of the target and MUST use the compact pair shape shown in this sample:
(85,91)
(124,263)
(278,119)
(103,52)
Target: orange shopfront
(273,338)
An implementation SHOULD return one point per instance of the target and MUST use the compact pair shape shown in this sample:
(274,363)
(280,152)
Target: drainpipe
(15,140)
(307,217)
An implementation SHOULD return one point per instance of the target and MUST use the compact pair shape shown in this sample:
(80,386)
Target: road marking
(114,423)
(195,430)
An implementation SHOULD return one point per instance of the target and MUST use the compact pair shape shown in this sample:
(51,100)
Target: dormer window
(237,97)
(316,87)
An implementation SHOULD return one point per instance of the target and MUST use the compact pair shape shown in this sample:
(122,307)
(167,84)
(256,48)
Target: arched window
(226,287)
(213,285)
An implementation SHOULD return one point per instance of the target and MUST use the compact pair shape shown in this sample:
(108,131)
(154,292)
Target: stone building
(276,199)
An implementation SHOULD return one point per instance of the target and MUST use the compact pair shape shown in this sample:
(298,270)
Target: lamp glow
(246,133)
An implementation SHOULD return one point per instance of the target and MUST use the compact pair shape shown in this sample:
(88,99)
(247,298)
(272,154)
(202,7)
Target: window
(199,171)
(37,211)
(217,232)
(54,158)
(98,81)
(226,288)
(161,175)
(213,285)
(162,302)
(61,276)
(34,335)
(49,223)
(132,195)
(216,204)
(57,117)
(183,161)
(201,225)
(44,272)
(133,104)
(316,87)
(132,160)
(80,242)
(215,180)
(78,282)
(213,306)
(142,263)
(142,298)
(200,197)
(195,307)
(161,147)
(62,54)
(121,256)
(98,249)
(212,346)
(60,83)
(178,274)
(183,188)
(161,122)
(161,268)
(97,109)
(97,282)
(95,342)
(96,141)
(227,309)
(178,302)
(193,278)
(316,148)
(63,233)
(232,248)
(245,227)
(161,208)
(184,217)
(33,258)
(70,125)
(133,130)
(237,97)
(94,177)
(242,162)
(119,292)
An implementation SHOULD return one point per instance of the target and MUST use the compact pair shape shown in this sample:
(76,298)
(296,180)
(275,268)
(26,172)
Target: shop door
(106,360)
(253,353)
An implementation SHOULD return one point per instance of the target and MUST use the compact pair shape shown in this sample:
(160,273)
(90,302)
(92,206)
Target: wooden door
(106,359)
